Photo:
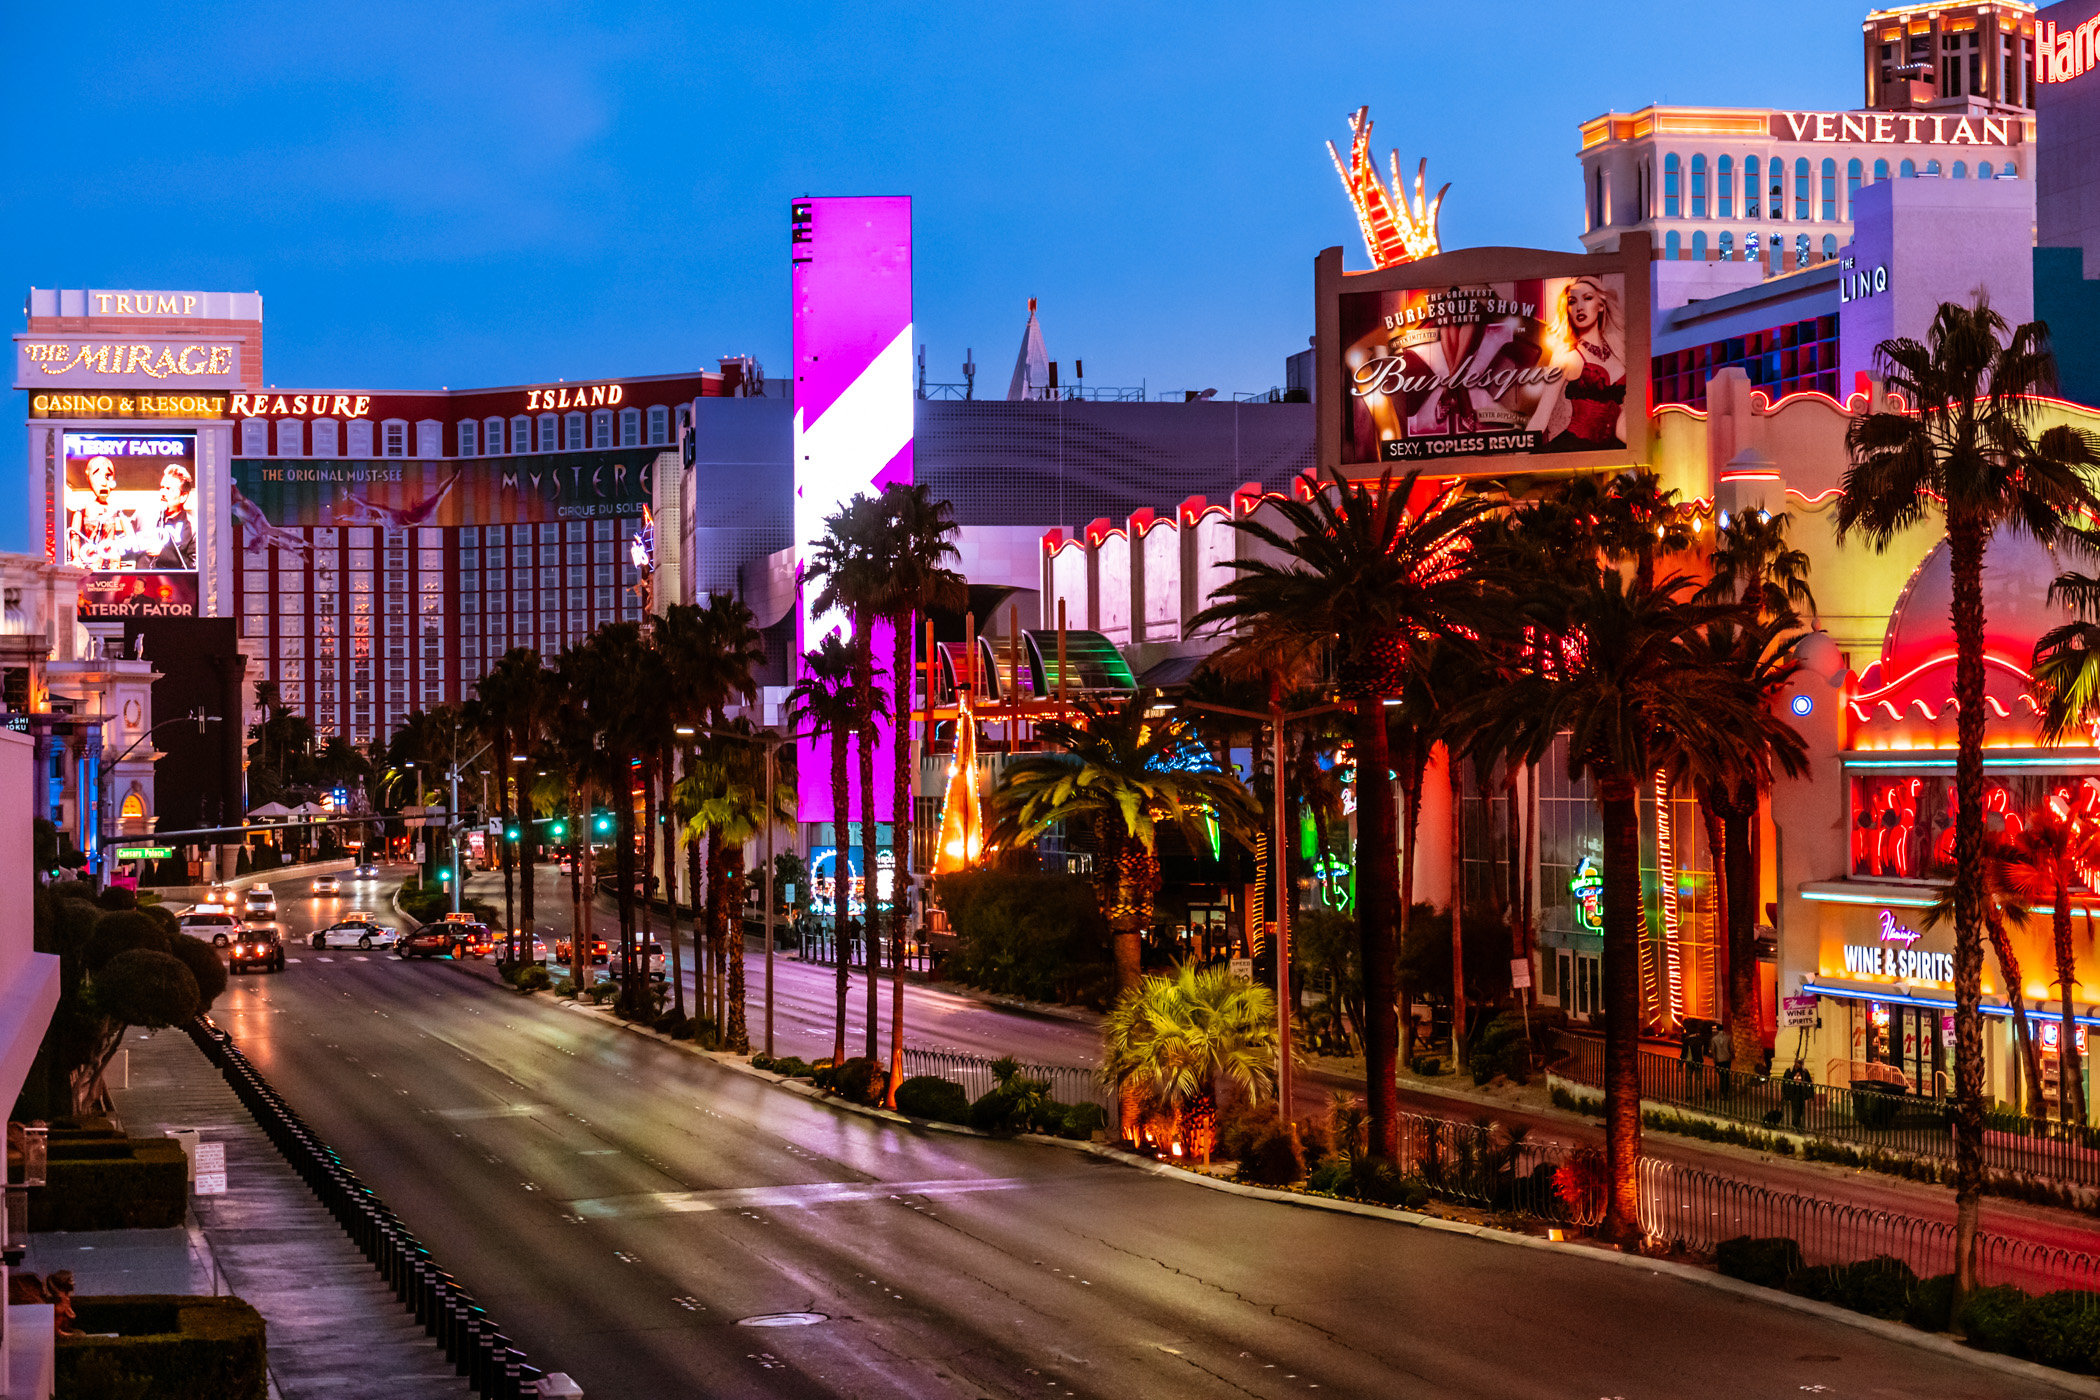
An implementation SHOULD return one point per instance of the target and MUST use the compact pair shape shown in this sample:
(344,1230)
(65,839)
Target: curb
(1938,1343)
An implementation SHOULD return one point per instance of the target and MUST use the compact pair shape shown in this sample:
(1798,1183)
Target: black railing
(819,945)
(1068,1083)
(1869,1113)
(465,1333)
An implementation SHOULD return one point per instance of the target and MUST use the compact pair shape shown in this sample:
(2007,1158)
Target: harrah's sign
(2063,54)
(1896,128)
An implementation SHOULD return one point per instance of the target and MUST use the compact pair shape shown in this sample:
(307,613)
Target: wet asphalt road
(624,1209)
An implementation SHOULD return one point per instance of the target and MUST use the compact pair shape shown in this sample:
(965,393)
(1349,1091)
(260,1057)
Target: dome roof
(2017,573)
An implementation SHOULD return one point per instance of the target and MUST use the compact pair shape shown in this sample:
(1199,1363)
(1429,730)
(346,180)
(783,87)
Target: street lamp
(109,770)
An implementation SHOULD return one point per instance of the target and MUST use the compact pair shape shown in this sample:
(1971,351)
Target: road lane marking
(508,1110)
(819,1193)
(323,957)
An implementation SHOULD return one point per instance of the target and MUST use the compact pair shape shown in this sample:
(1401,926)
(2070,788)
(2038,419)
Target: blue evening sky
(433,194)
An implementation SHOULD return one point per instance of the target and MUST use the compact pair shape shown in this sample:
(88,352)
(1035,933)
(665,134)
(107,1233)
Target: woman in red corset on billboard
(1589,334)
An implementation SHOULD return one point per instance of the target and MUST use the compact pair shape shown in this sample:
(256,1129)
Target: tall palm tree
(916,543)
(1963,442)
(576,761)
(1126,773)
(726,793)
(848,569)
(1364,572)
(827,699)
(1753,562)
(1613,668)
(515,693)
(2040,864)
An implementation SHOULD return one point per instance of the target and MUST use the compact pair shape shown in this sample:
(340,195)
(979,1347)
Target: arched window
(1830,191)
(1727,247)
(1671,201)
(1673,246)
(1983,170)
(1909,169)
(469,437)
(1961,170)
(1830,246)
(1852,178)
(1751,203)
(1724,187)
(1881,171)
(1803,208)
(1699,246)
(1800,250)
(1775,189)
(1932,167)
(1698,187)
(2008,173)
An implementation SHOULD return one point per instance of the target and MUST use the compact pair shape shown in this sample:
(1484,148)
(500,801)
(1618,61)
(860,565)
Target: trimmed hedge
(112,1184)
(190,1348)
(1768,1262)
(930,1096)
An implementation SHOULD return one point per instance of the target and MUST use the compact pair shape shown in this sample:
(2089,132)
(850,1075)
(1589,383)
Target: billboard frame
(1472,266)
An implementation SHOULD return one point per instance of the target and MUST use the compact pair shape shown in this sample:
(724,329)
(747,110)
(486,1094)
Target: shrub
(1823,1283)
(793,1066)
(1377,1180)
(1583,1182)
(192,1348)
(532,978)
(1932,1304)
(1992,1318)
(204,964)
(145,988)
(99,1376)
(672,1024)
(930,1096)
(566,987)
(1238,1126)
(1315,1140)
(1331,1177)
(1082,1120)
(1272,1156)
(1501,1047)
(112,1184)
(1879,1287)
(125,931)
(858,1080)
(1767,1262)
(1027,934)
(116,897)
(2062,1329)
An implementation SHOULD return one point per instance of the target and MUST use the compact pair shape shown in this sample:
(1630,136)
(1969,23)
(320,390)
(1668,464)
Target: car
(568,866)
(260,948)
(479,944)
(260,899)
(365,872)
(217,897)
(355,930)
(599,952)
(327,884)
(447,937)
(214,926)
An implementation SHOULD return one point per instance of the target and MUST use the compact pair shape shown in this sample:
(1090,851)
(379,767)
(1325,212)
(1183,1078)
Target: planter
(112,1184)
(187,1348)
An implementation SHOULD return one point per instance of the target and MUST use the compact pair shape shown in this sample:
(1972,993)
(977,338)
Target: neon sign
(1905,963)
(2060,56)
(1394,232)
(1588,889)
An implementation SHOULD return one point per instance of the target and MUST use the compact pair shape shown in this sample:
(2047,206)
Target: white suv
(213,925)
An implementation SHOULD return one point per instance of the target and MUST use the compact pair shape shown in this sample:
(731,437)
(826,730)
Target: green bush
(1380,1182)
(1028,935)
(1932,1304)
(145,988)
(1766,1262)
(532,978)
(204,964)
(672,1024)
(1993,1318)
(1501,1047)
(124,931)
(1082,1121)
(99,1376)
(1331,1177)
(1272,1156)
(1824,1283)
(930,1096)
(189,1348)
(2062,1329)
(140,1184)
(1879,1287)
(793,1066)
(858,1080)
(1016,1104)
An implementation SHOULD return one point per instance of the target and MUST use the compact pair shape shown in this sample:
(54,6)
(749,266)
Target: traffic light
(557,829)
(444,872)
(510,833)
(602,823)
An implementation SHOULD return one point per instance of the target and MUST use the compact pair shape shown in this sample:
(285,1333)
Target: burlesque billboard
(400,494)
(1536,365)
(131,522)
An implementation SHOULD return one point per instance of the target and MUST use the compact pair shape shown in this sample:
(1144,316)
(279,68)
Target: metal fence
(1068,1083)
(1868,1114)
(1490,1164)
(819,944)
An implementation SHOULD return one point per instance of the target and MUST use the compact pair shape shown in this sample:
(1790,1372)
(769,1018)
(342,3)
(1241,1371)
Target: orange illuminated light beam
(1394,231)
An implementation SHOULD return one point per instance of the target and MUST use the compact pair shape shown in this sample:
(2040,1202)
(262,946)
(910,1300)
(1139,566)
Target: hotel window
(1776,200)
(1800,250)
(1830,191)
(1727,247)
(2008,173)
(326,437)
(1673,246)
(1671,202)
(291,437)
(660,417)
(394,433)
(1909,170)
(521,434)
(1802,207)
(572,434)
(1724,187)
(491,436)
(548,423)
(602,428)
(1751,202)
(1881,171)
(430,438)
(469,437)
(1699,246)
(1932,168)
(1852,176)
(1698,187)
(255,437)
(1830,246)
(1983,170)
(630,427)
(360,437)
(1961,170)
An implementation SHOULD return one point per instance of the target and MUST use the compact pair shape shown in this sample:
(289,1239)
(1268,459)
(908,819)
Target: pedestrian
(1796,1088)
(1724,1057)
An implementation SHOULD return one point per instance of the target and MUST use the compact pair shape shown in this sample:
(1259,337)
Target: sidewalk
(335,1330)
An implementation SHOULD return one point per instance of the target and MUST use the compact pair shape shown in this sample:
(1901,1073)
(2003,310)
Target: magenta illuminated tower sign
(853,403)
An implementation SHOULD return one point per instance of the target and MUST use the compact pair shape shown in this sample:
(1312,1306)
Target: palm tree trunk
(2070,1076)
(1741,885)
(841,883)
(1411,795)
(696,885)
(527,834)
(504,769)
(580,940)
(2016,998)
(1619,810)
(1721,999)
(736,1036)
(651,779)
(900,842)
(672,833)
(623,872)
(1456,775)
(1966,535)
(1377,849)
(717,877)
(871,925)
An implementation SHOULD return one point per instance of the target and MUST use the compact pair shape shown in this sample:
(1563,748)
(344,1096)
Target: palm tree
(1964,441)
(849,566)
(1753,563)
(916,543)
(1168,1042)
(2040,864)
(725,791)
(514,696)
(827,698)
(1361,572)
(1613,668)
